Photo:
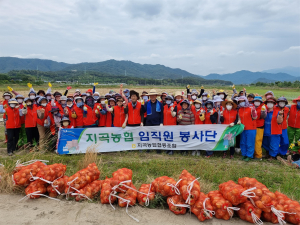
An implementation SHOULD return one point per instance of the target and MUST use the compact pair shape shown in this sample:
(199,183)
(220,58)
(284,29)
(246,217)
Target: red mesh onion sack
(203,208)
(82,178)
(222,207)
(291,207)
(52,172)
(89,191)
(189,187)
(58,187)
(142,198)
(276,215)
(123,174)
(263,196)
(233,192)
(130,195)
(105,192)
(166,186)
(248,212)
(22,177)
(177,204)
(35,188)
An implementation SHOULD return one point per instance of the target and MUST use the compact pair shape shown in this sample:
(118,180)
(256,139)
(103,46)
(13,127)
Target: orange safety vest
(229,116)
(79,118)
(90,118)
(285,116)
(31,117)
(275,127)
(168,118)
(294,117)
(119,116)
(259,122)
(108,119)
(41,121)
(246,118)
(197,115)
(207,116)
(134,114)
(13,118)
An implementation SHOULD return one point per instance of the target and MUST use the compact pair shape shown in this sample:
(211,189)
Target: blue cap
(257,98)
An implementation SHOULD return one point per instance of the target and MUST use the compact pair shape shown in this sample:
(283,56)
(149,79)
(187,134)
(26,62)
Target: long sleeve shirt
(155,118)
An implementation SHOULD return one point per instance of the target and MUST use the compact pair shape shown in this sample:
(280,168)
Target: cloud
(194,35)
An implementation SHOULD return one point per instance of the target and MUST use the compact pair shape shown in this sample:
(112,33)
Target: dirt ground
(47,211)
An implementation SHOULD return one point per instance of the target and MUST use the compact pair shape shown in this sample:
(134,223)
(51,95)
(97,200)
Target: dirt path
(46,211)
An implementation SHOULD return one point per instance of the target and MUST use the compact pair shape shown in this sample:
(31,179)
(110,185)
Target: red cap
(89,90)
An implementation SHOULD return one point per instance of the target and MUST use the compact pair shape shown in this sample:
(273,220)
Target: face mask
(88,94)
(28,103)
(197,106)
(6,97)
(63,102)
(44,104)
(168,102)
(204,98)
(194,97)
(178,99)
(70,105)
(79,104)
(65,123)
(270,105)
(281,104)
(145,98)
(269,96)
(49,97)
(242,104)
(209,106)
(222,96)
(20,100)
(12,105)
(228,107)
(96,97)
(218,103)
(102,102)
(32,97)
(127,94)
(257,104)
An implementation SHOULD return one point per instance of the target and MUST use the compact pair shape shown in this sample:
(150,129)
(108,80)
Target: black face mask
(90,103)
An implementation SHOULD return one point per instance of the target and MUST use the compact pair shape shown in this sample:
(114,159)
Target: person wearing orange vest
(134,110)
(170,112)
(7,96)
(22,137)
(101,106)
(90,113)
(145,98)
(69,112)
(248,117)
(30,112)
(163,98)
(284,139)
(273,128)
(120,118)
(294,123)
(42,114)
(260,123)
(198,112)
(229,116)
(65,123)
(13,124)
(78,108)
(109,115)
(62,103)
(178,99)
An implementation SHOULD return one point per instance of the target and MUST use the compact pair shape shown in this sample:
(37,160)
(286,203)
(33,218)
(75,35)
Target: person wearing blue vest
(154,110)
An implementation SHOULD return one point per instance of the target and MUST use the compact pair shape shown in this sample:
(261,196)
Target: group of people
(269,123)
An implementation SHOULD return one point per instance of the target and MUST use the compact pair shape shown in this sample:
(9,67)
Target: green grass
(146,167)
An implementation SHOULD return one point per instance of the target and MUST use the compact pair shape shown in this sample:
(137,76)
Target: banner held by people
(215,137)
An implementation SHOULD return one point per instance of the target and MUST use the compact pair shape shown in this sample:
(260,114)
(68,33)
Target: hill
(12,63)
(294,71)
(248,77)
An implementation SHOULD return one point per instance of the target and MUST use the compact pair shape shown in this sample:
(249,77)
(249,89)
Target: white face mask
(281,104)
(28,103)
(168,102)
(32,97)
(257,103)
(65,123)
(228,107)
(194,97)
(218,103)
(197,106)
(103,102)
(6,97)
(222,96)
(178,99)
(88,94)
(49,97)
(44,104)
(145,98)
(270,105)
(70,105)
(204,98)
(20,100)
(13,105)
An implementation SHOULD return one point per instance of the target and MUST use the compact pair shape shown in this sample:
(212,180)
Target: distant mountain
(248,77)
(264,80)
(11,63)
(294,71)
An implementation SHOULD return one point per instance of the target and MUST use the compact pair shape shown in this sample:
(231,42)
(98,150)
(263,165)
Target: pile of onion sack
(248,199)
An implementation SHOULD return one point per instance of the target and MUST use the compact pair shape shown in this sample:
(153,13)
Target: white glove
(239,122)
(161,125)
(231,125)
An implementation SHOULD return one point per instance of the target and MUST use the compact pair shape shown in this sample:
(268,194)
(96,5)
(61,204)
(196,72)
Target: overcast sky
(200,36)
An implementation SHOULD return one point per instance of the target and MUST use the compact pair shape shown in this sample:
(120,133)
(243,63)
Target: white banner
(110,139)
